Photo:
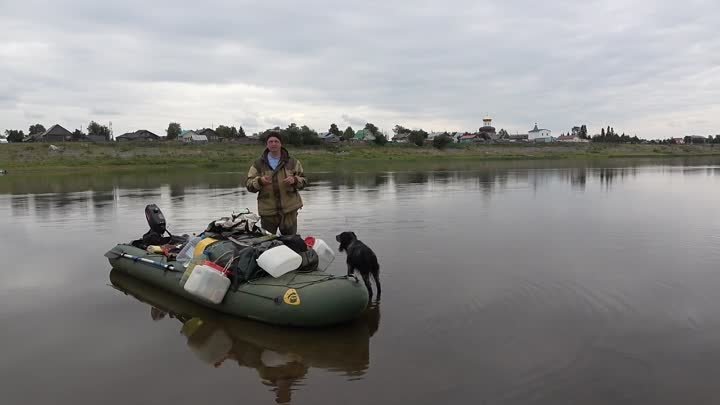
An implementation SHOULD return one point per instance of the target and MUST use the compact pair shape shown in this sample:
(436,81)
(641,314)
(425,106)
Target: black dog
(361,258)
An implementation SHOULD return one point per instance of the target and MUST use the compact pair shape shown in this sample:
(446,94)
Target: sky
(646,68)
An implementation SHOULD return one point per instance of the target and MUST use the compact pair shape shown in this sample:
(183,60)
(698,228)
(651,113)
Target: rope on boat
(302,284)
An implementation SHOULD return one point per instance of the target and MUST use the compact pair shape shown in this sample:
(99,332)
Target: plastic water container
(279,260)
(186,253)
(325,254)
(207,283)
(190,266)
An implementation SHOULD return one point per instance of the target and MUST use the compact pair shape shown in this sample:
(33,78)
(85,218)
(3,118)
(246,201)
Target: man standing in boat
(277,177)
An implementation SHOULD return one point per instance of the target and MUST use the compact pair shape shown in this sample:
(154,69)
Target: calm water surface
(504,283)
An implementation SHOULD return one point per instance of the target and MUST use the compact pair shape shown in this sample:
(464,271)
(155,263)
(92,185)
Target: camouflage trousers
(287,223)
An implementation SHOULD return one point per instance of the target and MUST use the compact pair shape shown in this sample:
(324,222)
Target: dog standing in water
(361,258)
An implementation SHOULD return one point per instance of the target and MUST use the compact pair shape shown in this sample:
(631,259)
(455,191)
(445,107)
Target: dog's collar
(345,248)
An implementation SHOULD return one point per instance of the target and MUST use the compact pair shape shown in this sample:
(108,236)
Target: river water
(503,283)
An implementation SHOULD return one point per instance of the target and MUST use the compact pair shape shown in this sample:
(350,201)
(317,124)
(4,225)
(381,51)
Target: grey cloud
(601,63)
(247,121)
(356,122)
(33,116)
(100,111)
(276,122)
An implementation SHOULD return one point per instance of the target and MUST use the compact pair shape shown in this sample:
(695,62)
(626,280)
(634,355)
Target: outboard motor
(158,227)
(155,219)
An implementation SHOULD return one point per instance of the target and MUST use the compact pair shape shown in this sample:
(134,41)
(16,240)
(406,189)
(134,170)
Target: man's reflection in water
(214,346)
(283,371)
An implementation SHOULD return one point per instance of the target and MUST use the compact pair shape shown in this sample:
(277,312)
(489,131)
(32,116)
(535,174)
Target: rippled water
(503,283)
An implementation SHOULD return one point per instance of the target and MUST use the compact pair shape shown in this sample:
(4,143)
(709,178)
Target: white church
(539,134)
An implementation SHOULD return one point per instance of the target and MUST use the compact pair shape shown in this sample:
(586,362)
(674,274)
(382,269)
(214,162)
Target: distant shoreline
(168,156)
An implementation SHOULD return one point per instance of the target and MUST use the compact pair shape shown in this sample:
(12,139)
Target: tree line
(303,135)
(17,135)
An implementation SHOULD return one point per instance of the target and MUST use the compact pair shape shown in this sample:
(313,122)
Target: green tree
(418,137)
(348,134)
(583,132)
(226,132)
(309,136)
(174,130)
(77,135)
(241,132)
(380,139)
(14,135)
(36,129)
(335,130)
(372,129)
(442,141)
(503,134)
(401,130)
(293,134)
(96,129)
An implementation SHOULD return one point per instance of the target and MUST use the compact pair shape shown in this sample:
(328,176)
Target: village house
(363,135)
(518,137)
(55,133)
(330,138)
(456,136)
(209,133)
(245,140)
(139,135)
(469,138)
(401,138)
(192,137)
(96,138)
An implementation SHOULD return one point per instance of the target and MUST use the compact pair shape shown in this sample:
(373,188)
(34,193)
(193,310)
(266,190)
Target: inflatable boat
(306,296)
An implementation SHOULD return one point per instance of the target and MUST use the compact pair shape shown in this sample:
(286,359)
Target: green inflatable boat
(313,298)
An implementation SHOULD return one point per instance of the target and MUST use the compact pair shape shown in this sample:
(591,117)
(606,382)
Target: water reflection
(282,357)
(43,195)
(498,171)
(20,205)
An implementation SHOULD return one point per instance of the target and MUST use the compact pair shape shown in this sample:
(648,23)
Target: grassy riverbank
(113,157)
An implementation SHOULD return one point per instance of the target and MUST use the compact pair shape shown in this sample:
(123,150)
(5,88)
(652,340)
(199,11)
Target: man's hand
(289,180)
(265,180)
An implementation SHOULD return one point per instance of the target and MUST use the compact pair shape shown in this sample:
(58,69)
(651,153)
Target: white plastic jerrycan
(325,254)
(323,250)
(279,260)
(208,283)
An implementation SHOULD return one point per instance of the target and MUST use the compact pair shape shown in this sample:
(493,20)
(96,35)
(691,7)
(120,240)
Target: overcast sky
(650,68)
